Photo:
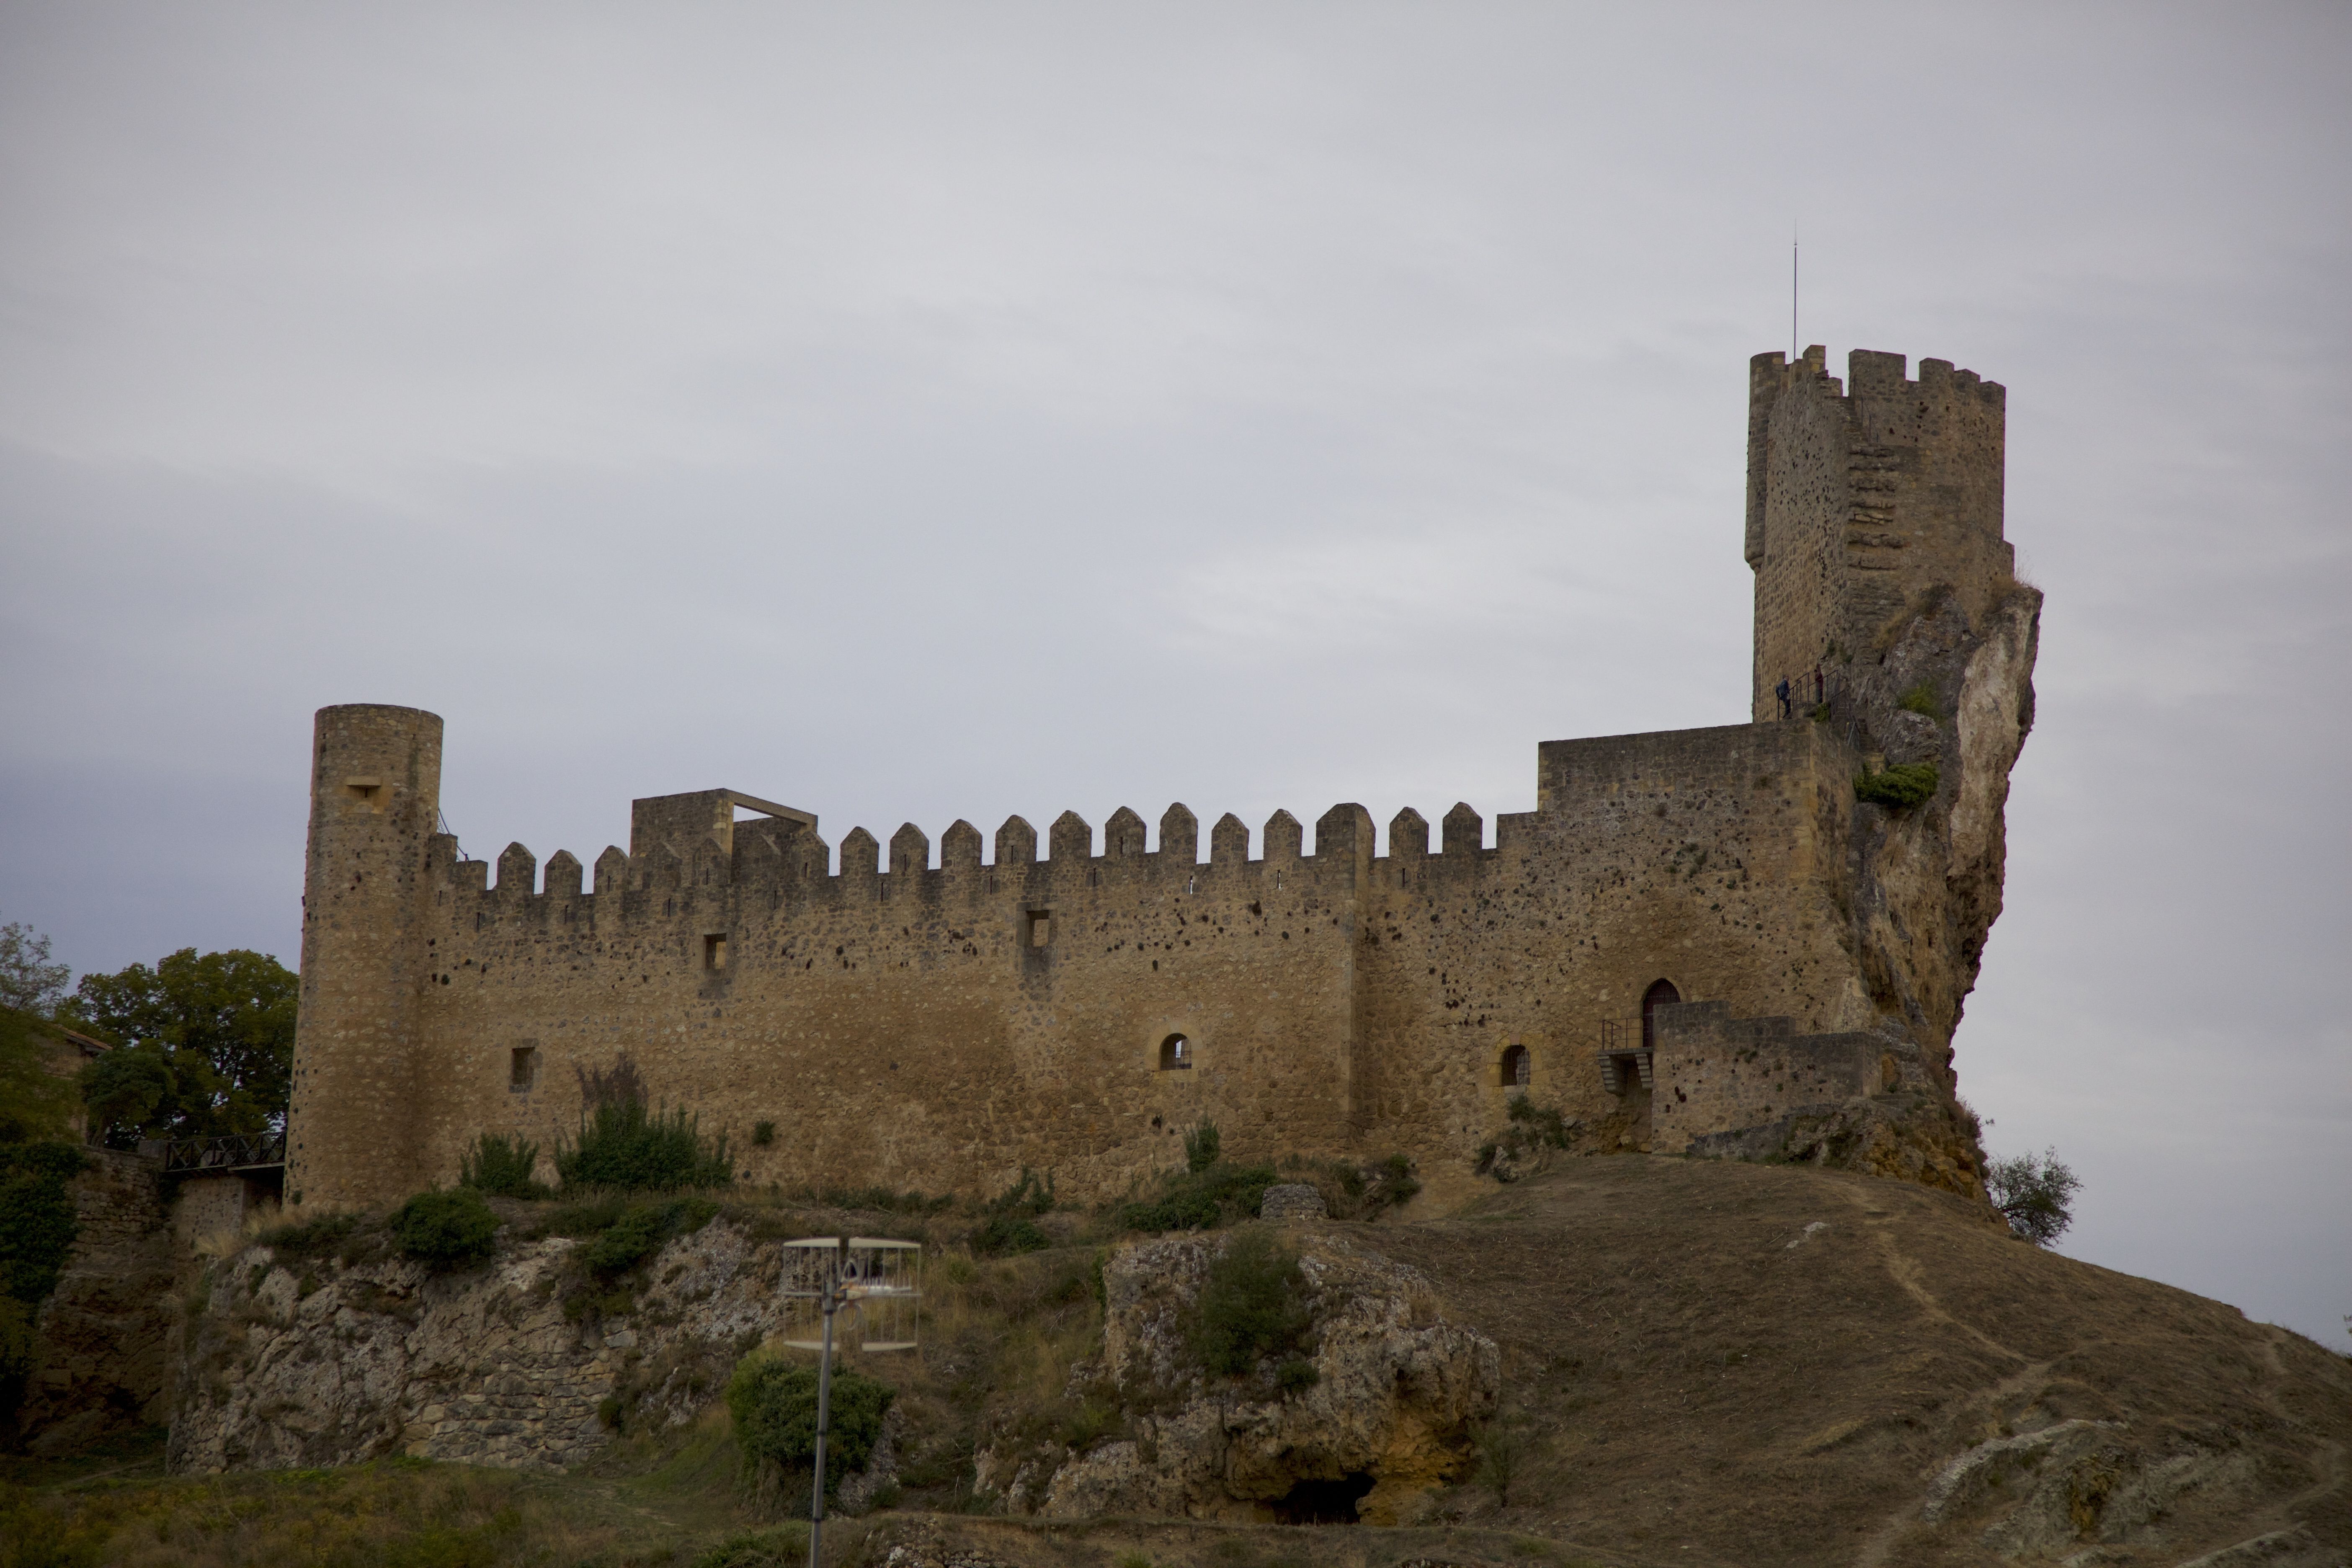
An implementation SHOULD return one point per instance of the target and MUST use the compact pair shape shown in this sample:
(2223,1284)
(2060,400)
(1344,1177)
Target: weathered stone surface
(305,1363)
(1292,1200)
(1397,1389)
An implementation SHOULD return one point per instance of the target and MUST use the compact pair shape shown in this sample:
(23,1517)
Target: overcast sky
(914,413)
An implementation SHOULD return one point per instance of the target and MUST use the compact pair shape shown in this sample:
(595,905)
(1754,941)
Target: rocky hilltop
(1688,1362)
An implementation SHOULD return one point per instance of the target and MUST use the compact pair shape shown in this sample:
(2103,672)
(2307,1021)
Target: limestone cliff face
(1388,1417)
(308,1360)
(1928,881)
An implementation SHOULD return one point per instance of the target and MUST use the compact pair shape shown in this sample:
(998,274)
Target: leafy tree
(35,1102)
(2035,1194)
(28,981)
(207,1045)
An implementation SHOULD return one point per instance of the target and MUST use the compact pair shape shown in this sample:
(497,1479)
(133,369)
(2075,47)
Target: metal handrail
(229,1152)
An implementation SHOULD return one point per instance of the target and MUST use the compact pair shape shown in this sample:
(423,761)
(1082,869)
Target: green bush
(1009,1227)
(1921,700)
(1253,1304)
(773,1401)
(626,1147)
(501,1166)
(639,1231)
(763,1134)
(2035,1194)
(1202,1200)
(1901,787)
(1295,1375)
(446,1229)
(1200,1147)
(785,1548)
(878,1200)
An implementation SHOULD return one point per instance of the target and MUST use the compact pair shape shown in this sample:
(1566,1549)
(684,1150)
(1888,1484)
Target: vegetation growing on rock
(446,1229)
(1900,787)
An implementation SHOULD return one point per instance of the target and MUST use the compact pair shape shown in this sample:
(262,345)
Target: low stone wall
(1714,1073)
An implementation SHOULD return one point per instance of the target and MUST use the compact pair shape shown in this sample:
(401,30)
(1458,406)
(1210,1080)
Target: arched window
(1175,1054)
(1660,995)
(1519,1068)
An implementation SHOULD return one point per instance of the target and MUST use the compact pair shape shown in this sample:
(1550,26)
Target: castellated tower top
(1863,498)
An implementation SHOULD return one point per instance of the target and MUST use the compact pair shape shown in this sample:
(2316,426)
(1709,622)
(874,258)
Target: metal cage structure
(877,1287)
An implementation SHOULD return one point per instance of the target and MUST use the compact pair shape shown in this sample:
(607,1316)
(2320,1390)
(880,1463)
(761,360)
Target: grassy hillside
(1704,1363)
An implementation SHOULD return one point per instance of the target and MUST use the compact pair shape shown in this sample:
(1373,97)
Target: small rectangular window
(523,1066)
(714,952)
(1041,927)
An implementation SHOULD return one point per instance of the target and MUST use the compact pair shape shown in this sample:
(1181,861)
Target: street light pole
(828,1304)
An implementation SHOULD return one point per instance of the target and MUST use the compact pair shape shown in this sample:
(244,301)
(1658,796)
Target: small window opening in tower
(523,1066)
(1662,994)
(1519,1068)
(1041,927)
(714,951)
(364,791)
(1175,1054)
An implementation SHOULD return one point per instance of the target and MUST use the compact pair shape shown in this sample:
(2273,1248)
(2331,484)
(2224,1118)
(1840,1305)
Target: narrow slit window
(523,1066)
(1175,1054)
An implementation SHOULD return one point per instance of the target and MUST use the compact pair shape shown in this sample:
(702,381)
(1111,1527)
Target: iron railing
(230,1152)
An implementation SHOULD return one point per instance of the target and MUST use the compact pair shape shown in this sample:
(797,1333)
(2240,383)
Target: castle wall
(907,1026)
(1714,1071)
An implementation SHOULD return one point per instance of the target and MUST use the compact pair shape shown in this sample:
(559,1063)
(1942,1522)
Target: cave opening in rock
(1324,1502)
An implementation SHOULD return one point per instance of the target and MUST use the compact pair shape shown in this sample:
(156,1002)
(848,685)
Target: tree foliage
(207,1045)
(2035,1194)
(28,981)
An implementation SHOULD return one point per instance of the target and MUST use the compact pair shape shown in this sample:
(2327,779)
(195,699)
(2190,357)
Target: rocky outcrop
(299,1359)
(1396,1391)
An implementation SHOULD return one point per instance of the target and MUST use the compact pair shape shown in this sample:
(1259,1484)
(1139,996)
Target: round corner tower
(375,799)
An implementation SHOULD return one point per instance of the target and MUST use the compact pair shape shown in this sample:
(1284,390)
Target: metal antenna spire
(1792,292)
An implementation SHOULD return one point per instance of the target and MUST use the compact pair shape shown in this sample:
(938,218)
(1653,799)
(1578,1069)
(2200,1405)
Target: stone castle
(1702,941)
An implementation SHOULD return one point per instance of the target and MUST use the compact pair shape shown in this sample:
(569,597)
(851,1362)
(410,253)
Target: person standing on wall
(1782,691)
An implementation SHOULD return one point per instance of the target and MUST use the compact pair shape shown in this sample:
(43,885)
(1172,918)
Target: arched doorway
(1175,1054)
(1660,993)
(1518,1068)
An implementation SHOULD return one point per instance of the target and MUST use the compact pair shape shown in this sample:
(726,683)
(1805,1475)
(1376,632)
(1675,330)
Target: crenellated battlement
(780,865)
